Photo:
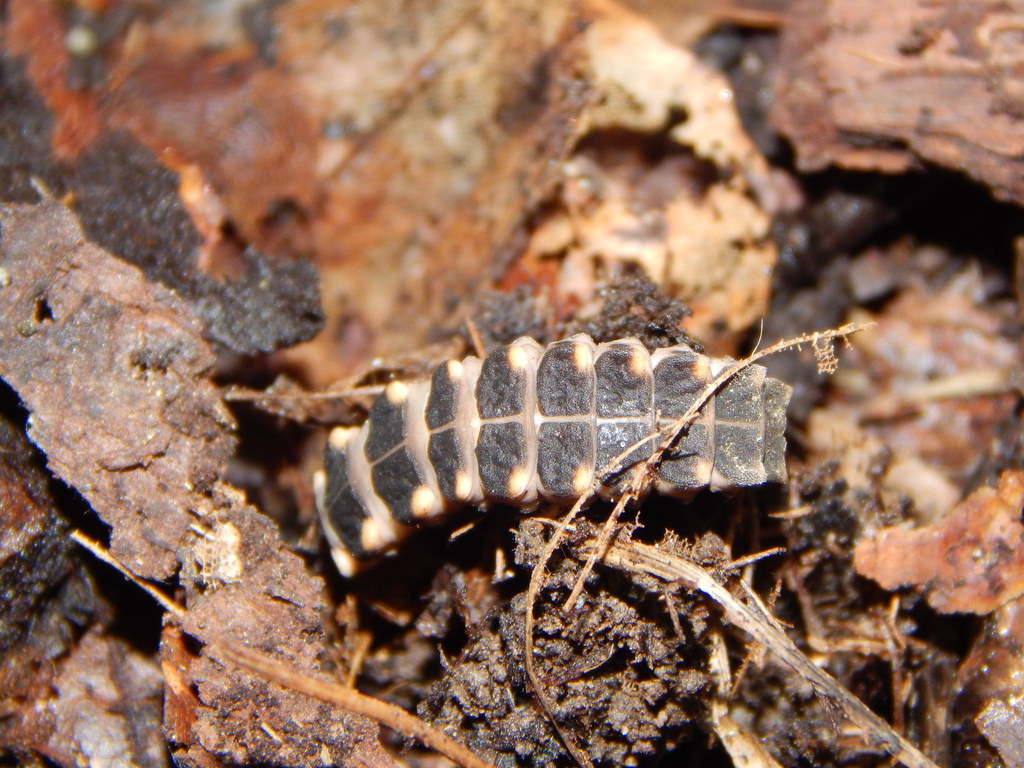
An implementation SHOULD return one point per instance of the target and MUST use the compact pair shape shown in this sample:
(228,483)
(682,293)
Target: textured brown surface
(46,598)
(614,668)
(968,562)
(113,370)
(114,373)
(876,85)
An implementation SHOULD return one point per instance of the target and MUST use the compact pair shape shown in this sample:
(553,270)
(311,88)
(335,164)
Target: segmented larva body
(529,422)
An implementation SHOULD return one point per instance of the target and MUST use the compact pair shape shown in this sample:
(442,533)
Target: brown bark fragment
(275,607)
(881,86)
(113,370)
(194,166)
(971,561)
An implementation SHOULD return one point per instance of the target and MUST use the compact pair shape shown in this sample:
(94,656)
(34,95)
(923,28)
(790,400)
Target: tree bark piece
(882,86)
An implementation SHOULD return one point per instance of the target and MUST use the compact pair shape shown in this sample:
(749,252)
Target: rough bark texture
(884,86)
(114,373)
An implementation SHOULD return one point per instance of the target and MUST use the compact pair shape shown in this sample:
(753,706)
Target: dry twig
(333,693)
(101,553)
(641,558)
(237,394)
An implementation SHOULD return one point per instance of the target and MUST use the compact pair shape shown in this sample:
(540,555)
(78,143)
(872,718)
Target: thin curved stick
(333,693)
(536,576)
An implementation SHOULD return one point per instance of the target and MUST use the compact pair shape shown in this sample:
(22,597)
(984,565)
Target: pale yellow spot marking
(453,369)
(347,565)
(423,502)
(339,437)
(319,487)
(369,536)
(396,392)
(581,479)
(581,356)
(638,362)
(517,358)
(517,481)
(463,486)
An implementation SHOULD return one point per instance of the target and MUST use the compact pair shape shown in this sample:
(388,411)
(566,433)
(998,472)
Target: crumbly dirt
(620,647)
